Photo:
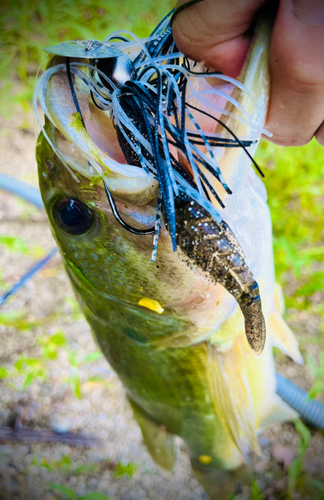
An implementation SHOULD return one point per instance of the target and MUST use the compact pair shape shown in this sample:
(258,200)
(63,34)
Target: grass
(295,183)
(65,492)
(27,27)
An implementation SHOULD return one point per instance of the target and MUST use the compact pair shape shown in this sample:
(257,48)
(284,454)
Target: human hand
(219,33)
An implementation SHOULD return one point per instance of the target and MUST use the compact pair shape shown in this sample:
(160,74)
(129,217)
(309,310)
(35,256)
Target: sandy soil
(27,468)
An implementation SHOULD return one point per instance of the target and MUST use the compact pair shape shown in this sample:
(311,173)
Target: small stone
(33,470)
(92,483)
(60,424)
(103,486)
(81,488)
(73,481)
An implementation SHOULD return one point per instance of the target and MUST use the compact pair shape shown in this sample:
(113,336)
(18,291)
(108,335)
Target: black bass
(186,333)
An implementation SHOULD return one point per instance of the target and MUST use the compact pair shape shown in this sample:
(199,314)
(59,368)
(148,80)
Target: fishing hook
(129,228)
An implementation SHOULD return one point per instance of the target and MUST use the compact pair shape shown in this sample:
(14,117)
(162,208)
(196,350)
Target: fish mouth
(88,146)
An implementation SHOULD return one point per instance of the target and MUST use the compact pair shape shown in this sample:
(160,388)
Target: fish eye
(72,216)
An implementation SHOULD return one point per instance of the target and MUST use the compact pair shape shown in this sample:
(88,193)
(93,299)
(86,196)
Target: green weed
(65,465)
(255,491)
(17,319)
(15,244)
(71,494)
(125,469)
(317,370)
(52,344)
(29,369)
(294,178)
(295,476)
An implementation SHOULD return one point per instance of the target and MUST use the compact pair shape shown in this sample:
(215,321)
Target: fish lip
(130,182)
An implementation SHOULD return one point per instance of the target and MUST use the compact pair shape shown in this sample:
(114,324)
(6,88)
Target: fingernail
(310,11)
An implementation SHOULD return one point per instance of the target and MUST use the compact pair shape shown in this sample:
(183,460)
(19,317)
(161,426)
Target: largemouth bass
(186,333)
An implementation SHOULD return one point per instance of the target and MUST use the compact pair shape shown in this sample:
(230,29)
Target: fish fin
(158,440)
(282,337)
(219,484)
(278,298)
(279,412)
(280,332)
(231,394)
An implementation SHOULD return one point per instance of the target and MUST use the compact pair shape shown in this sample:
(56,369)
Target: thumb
(216,32)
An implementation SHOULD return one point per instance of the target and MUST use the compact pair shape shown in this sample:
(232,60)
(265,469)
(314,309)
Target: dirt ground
(27,468)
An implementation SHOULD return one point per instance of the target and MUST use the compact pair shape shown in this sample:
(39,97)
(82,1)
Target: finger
(320,134)
(216,32)
(296,108)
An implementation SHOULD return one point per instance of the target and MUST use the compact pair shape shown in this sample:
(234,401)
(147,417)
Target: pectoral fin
(283,337)
(159,441)
(231,394)
(280,332)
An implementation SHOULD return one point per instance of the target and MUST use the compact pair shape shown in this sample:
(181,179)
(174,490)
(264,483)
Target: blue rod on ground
(21,189)
(27,276)
(312,411)
(32,195)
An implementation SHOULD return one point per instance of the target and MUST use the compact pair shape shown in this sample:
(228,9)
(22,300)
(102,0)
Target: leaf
(20,364)
(17,319)
(64,490)
(28,381)
(76,384)
(14,244)
(84,468)
(255,491)
(303,431)
(317,388)
(4,372)
(125,470)
(92,356)
(94,495)
(58,339)
(73,358)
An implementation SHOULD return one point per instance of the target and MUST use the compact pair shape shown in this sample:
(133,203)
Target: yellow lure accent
(205,459)
(151,304)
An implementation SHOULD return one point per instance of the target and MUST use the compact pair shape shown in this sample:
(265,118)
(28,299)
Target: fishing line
(74,97)
(232,133)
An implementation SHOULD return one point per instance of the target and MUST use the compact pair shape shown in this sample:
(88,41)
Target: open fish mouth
(148,125)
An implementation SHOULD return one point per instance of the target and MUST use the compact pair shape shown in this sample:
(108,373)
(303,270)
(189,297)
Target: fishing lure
(157,112)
